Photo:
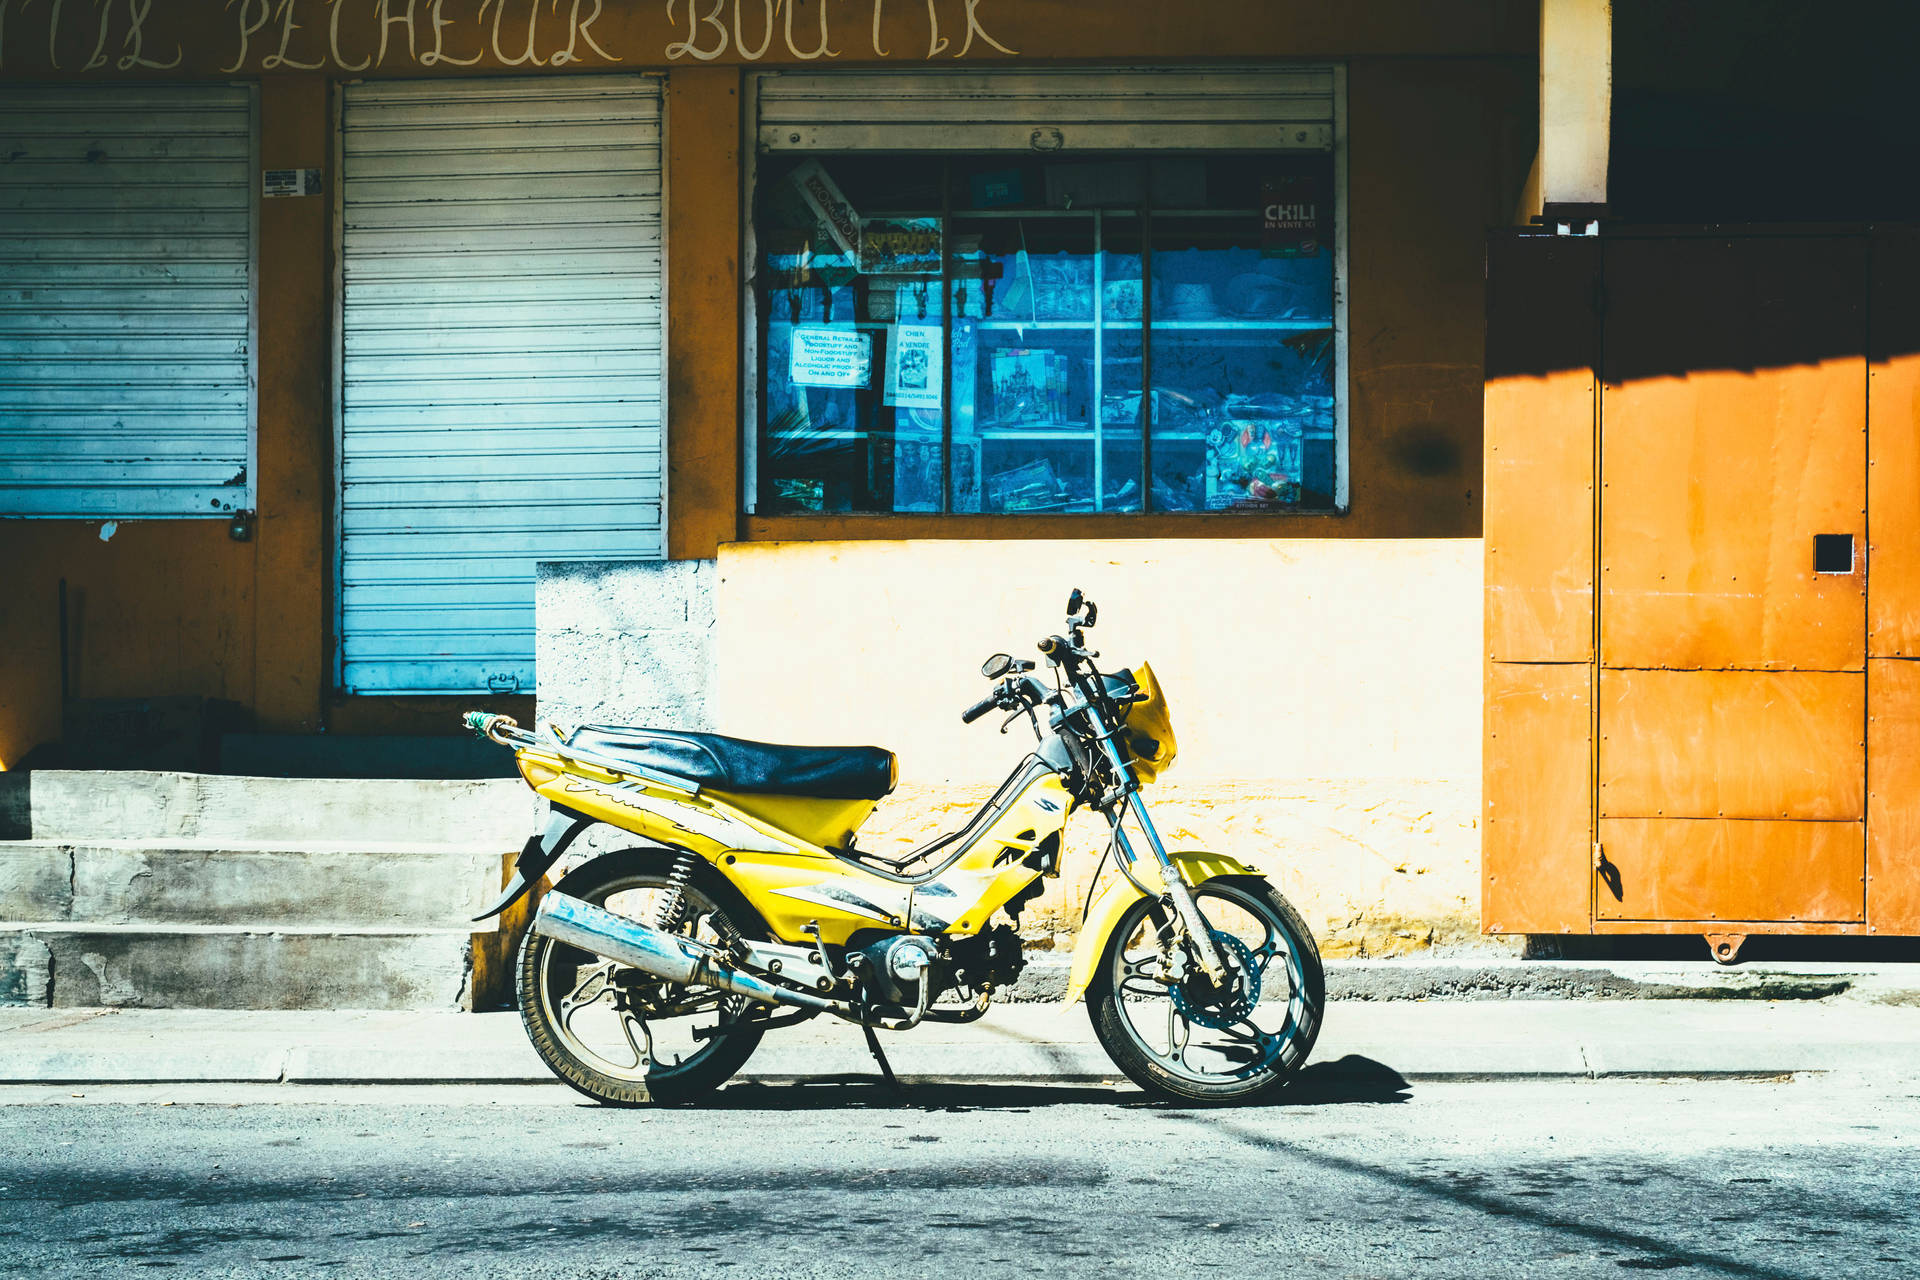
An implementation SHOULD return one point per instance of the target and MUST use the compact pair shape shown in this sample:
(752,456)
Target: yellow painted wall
(1326,695)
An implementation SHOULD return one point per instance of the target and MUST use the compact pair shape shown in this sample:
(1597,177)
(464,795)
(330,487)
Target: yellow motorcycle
(652,973)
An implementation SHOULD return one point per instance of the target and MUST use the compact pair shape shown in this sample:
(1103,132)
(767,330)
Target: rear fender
(541,852)
(1195,867)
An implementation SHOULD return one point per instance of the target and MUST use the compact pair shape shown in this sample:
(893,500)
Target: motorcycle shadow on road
(1351,1079)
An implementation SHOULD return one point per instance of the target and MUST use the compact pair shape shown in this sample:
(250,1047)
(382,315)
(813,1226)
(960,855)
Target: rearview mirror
(1073,602)
(996,666)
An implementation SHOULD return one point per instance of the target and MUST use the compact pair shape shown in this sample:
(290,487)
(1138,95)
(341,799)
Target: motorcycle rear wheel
(1216,1047)
(560,984)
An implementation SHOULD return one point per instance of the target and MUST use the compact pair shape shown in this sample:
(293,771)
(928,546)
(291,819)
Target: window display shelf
(1285,326)
(1065,432)
(1132,323)
(1041,324)
(1083,433)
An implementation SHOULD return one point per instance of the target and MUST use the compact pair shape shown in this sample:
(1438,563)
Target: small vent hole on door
(1833,553)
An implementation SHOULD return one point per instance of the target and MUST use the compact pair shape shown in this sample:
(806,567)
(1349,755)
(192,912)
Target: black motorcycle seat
(744,766)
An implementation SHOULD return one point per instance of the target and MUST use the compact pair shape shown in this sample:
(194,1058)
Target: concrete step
(232,967)
(177,882)
(75,806)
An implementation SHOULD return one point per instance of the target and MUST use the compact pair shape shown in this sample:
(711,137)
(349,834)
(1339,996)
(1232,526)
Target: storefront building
(764,366)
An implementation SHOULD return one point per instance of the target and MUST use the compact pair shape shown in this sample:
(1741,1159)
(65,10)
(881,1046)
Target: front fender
(1195,868)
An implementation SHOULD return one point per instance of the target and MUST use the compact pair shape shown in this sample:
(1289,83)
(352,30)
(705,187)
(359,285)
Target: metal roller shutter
(501,339)
(1063,109)
(126,258)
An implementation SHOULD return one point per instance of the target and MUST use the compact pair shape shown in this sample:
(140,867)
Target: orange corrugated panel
(1733,429)
(1893,796)
(1537,848)
(1732,744)
(1893,448)
(1730,870)
(1539,408)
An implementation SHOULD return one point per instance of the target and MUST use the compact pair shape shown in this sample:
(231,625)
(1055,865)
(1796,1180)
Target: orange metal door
(1541,404)
(1893,593)
(1732,602)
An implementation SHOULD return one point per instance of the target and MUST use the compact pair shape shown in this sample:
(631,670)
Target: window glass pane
(1029,364)
(851,354)
(972,334)
(1122,237)
(1242,343)
(996,183)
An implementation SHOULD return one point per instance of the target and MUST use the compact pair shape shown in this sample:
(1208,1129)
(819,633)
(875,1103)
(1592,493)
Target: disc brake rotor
(1223,1008)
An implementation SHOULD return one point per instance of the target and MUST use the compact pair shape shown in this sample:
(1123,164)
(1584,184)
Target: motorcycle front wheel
(1185,1039)
(584,1014)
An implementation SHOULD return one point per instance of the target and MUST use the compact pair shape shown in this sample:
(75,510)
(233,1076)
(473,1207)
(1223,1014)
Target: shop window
(984,335)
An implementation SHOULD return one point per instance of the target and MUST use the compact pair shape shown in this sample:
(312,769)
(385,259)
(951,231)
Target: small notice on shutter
(289,182)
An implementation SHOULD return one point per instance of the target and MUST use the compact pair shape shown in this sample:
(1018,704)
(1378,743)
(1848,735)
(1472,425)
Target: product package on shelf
(1031,486)
(1253,464)
(1029,386)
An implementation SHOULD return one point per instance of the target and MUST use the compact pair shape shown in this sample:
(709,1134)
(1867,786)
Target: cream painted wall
(1326,695)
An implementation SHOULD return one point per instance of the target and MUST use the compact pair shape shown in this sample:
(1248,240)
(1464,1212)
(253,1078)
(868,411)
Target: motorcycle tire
(698,1075)
(1168,1076)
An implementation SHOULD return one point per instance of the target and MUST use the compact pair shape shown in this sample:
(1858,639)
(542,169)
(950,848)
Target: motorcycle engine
(992,956)
(898,965)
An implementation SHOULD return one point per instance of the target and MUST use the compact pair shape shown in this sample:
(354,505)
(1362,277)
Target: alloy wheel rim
(588,1015)
(1151,1012)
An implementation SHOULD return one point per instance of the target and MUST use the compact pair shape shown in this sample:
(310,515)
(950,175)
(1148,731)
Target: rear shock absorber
(673,898)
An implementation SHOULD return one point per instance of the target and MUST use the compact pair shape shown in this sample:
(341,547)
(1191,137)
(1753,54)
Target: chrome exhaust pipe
(578,923)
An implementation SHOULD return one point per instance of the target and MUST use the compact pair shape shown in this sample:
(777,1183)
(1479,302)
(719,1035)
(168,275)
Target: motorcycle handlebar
(977,710)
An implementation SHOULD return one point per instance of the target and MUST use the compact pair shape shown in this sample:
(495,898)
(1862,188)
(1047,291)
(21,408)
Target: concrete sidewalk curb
(1499,978)
(1076,1065)
(1031,1044)
(1591,980)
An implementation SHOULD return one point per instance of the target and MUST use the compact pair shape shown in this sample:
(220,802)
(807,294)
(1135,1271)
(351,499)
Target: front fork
(1199,936)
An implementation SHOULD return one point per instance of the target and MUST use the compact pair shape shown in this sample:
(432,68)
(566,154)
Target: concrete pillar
(1576,105)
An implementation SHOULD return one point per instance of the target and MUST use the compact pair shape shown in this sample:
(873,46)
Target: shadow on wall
(1739,299)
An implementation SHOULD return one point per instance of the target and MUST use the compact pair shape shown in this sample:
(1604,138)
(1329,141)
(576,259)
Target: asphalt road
(1808,1177)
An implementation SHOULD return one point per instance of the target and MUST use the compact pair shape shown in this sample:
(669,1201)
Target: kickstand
(886,1071)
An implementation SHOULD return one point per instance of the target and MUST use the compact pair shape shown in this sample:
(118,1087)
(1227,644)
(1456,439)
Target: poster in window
(1029,386)
(1291,216)
(830,356)
(823,197)
(900,247)
(913,367)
